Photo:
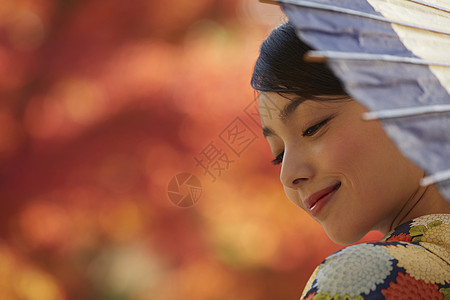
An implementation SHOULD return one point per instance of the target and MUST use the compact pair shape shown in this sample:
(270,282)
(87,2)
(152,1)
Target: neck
(425,200)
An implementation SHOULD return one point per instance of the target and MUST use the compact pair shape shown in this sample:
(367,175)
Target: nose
(296,168)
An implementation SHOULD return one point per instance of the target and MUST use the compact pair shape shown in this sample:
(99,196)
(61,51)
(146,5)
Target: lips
(312,202)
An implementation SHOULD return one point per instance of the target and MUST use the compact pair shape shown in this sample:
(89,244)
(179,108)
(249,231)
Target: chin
(342,237)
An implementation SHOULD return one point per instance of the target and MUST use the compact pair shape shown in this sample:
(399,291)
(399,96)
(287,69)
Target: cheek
(293,196)
(369,163)
(339,152)
(354,154)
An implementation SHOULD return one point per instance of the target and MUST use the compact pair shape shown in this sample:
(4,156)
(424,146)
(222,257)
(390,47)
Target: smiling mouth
(313,201)
(337,186)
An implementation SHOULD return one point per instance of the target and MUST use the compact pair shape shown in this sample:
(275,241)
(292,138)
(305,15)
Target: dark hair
(281,68)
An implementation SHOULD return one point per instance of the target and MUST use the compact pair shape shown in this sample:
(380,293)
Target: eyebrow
(267,132)
(290,108)
(285,114)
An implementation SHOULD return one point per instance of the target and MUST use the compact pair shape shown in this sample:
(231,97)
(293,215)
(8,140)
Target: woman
(349,176)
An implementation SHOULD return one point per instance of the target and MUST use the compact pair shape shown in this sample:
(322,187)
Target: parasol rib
(270,2)
(319,56)
(435,178)
(406,112)
(359,14)
(277,2)
(429,5)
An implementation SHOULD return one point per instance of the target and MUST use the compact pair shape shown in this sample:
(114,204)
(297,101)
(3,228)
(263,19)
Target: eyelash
(279,159)
(308,132)
(313,129)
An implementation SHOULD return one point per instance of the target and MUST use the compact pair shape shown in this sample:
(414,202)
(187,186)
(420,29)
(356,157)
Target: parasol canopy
(393,56)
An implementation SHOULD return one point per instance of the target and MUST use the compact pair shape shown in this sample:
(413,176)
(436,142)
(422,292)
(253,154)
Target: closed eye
(313,129)
(278,159)
(310,131)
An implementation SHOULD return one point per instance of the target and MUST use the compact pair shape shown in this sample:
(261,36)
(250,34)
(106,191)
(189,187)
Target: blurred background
(132,164)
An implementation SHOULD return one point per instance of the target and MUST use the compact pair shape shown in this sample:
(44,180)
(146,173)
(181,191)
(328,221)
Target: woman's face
(343,171)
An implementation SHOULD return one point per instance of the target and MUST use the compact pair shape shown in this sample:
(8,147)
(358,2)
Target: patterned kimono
(411,262)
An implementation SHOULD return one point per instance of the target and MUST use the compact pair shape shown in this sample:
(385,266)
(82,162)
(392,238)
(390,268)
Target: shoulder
(379,270)
(431,232)
(351,272)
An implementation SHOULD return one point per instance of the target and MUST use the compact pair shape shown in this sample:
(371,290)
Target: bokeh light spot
(27,31)
(35,285)
(45,224)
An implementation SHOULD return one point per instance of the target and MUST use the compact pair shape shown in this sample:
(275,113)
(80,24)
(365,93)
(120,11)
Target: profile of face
(343,171)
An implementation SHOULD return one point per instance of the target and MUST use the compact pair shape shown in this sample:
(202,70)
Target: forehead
(269,102)
(274,106)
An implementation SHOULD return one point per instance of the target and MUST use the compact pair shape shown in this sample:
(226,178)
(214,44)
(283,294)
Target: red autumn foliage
(103,102)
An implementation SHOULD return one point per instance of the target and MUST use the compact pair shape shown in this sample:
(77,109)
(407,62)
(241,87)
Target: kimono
(411,262)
